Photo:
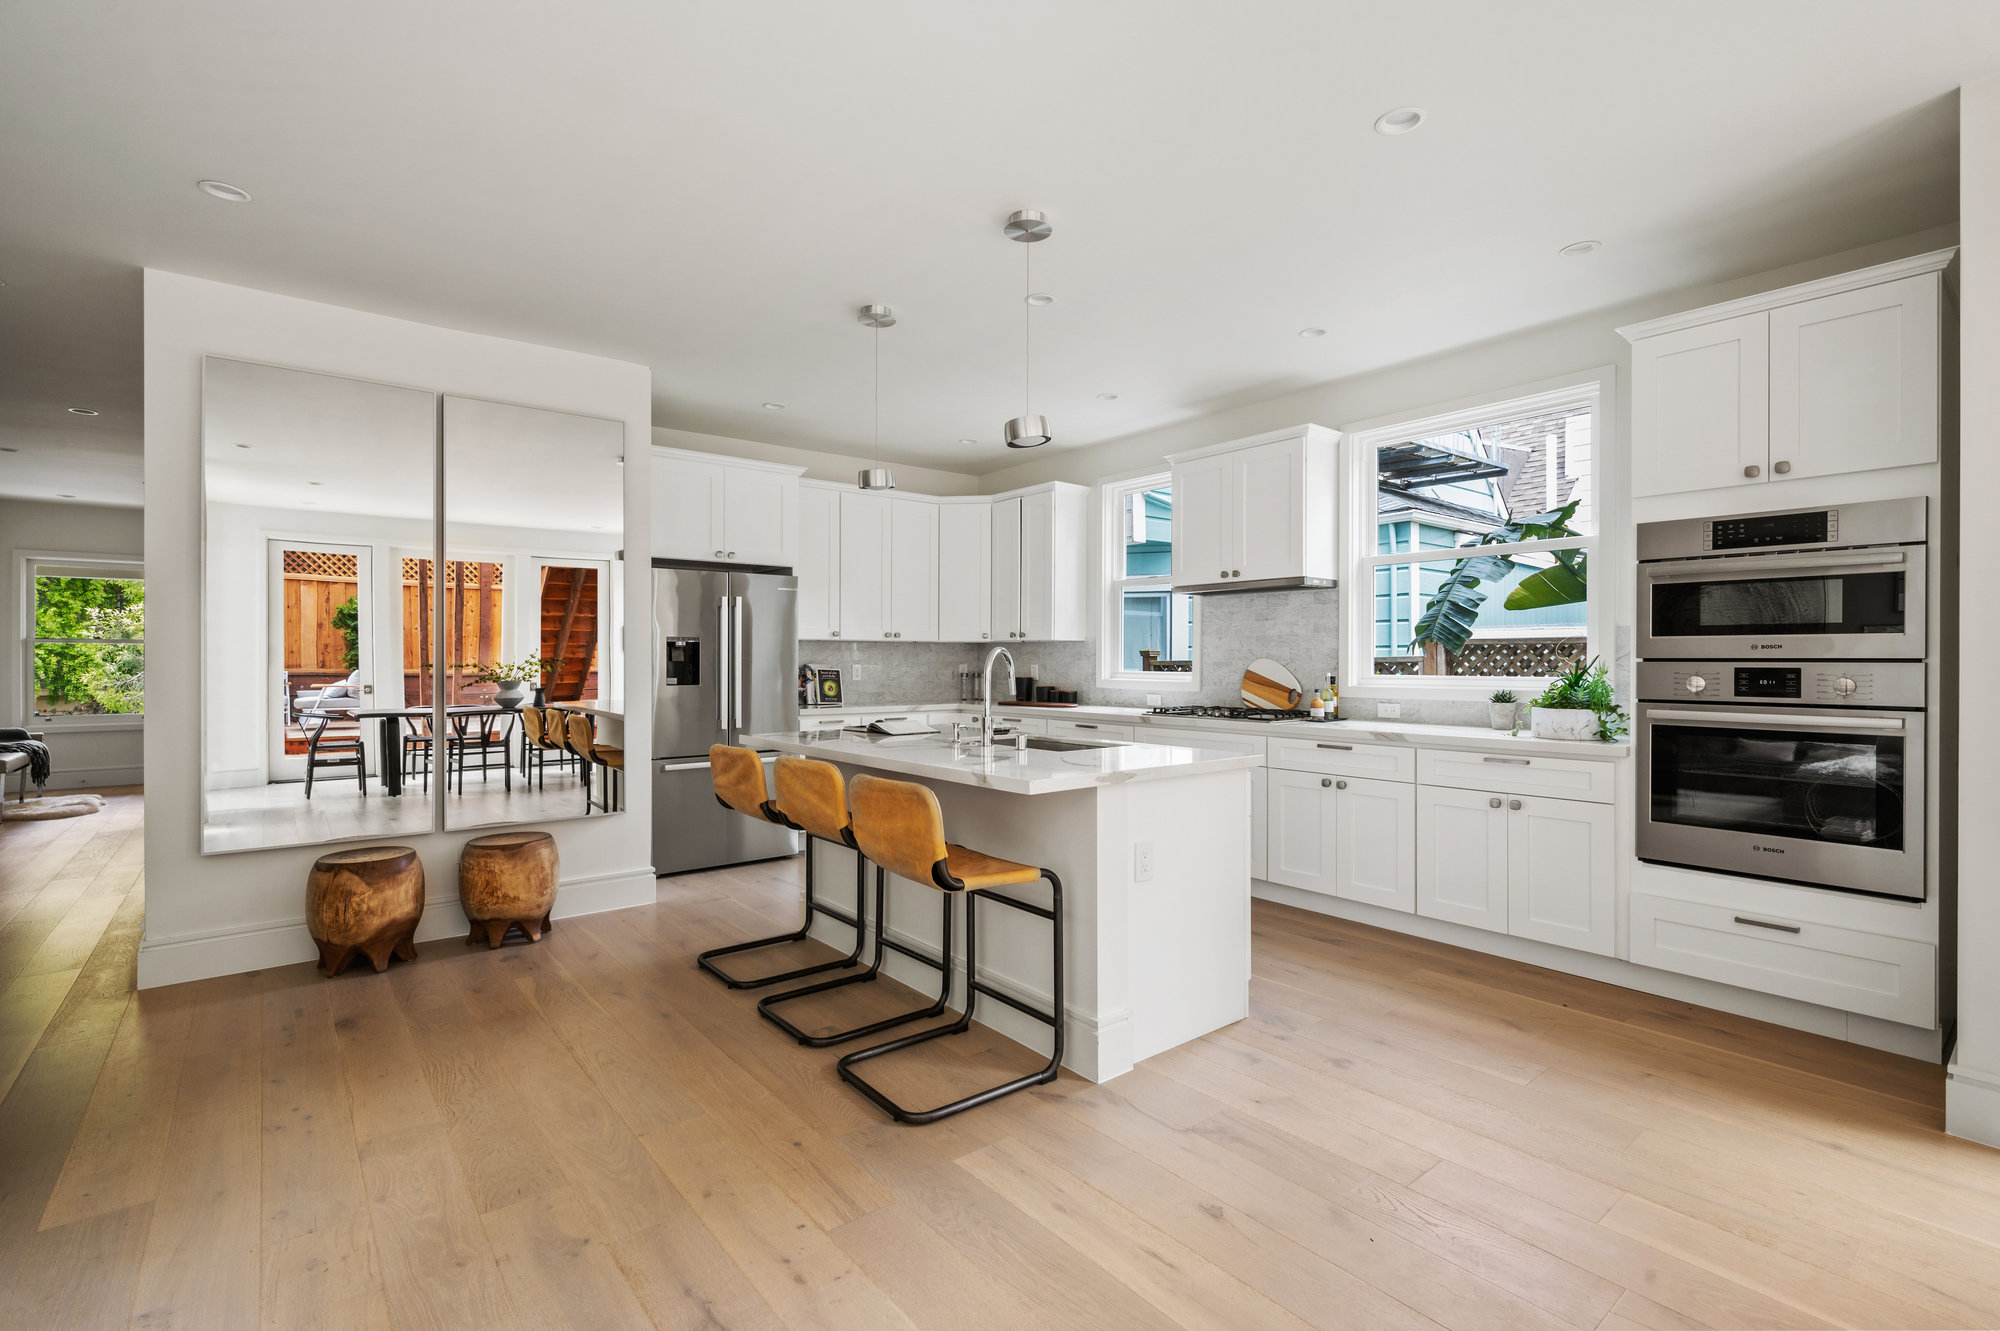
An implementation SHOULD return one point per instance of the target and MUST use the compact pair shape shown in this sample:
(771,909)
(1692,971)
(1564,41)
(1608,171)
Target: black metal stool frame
(883,944)
(856,922)
(974,987)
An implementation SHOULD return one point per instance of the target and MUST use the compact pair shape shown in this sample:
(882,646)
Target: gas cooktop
(1230,713)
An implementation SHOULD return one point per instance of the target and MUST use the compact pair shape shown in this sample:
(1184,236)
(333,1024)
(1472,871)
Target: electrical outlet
(862,670)
(1142,862)
(1388,711)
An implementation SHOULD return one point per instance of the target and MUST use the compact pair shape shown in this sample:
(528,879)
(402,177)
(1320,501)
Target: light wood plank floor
(590,1133)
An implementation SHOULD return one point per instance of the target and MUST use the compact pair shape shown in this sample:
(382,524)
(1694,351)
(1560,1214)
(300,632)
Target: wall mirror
(529,611)
(319,502)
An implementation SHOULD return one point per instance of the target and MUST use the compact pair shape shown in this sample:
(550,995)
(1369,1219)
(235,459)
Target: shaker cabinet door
(1375,842)
(1006,566)
(1701,407)
(687,509)
(913,569)
(1562,873)
(965,572)
(1462,856)
(864,566)
(759,510)
(819,563)
(1855,380)
(1204,536)
(1300,827)
(1267,509)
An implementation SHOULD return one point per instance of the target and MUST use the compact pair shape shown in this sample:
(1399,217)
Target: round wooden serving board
(1268,684)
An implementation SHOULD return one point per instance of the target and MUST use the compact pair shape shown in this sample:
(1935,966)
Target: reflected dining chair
(583,743)
(323,750)
(811,799)
(899,826)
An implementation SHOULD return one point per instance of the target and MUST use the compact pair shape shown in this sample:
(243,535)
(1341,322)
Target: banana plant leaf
(1452,614)
(1563,584)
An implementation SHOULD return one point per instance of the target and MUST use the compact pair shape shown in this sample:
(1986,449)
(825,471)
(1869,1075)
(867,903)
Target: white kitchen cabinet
(1701,406)
(1301,830)
(1462,856)
(723,510)
(864,565)
(913,569)
(1256,511)
(1830,377)
(1375,842)
(1039,565)
(819,561)
(965,570)
(1855,380)
(1561,873)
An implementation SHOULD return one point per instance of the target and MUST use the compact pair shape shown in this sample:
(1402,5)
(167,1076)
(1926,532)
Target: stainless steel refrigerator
(725,653)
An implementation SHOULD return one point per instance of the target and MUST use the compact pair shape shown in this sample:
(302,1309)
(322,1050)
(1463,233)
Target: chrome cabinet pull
(1521,762)
(1766,924)
(1513,804)
(1084,725)
(1348,747)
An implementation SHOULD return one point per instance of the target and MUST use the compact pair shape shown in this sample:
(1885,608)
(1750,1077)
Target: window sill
(77,725)
(1152,683)
(1443,690)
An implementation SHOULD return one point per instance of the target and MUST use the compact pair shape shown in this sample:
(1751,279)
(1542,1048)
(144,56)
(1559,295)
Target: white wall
(1972,1096)
(106,754)
(820,466)
(222,914)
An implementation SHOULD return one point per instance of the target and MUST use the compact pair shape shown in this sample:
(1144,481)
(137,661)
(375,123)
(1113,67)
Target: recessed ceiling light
(315,482)
(81,411)
(1312,332)
(243,445)
(1041,298)
(222,189)
(1581,247)
(968,441)
(1399,121)
(774,406)
(1107,397)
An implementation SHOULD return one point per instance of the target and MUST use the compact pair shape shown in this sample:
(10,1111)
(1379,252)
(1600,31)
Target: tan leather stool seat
(975,869)
(738,775)
(609,757)
(812,796)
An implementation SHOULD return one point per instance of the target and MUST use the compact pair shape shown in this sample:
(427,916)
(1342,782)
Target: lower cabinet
(1526,865)
(1343,836)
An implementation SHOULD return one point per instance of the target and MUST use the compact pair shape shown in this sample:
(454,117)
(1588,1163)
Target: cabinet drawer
(1089,729)
(1382,762)
(1220,741)
(1028,725)
(1878,976)
(1565,778)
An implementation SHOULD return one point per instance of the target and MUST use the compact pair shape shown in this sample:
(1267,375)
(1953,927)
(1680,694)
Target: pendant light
(876,317)
(1027,430)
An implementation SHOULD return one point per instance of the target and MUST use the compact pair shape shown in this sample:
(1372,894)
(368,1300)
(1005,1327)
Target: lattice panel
(320,564)
(1519,658)
(411,568)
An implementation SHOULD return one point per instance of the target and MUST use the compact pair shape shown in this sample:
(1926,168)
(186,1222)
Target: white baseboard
(85,778)
(236,778)
(252,947)
(1909,1041)
(1972,1104)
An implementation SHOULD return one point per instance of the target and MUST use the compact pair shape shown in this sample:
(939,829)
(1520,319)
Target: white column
(1972,1096)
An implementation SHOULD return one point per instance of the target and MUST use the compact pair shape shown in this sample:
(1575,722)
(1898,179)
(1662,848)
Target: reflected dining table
(391,719)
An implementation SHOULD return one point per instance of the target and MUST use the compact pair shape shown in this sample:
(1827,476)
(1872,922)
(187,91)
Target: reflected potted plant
(1578,705)
(512,677)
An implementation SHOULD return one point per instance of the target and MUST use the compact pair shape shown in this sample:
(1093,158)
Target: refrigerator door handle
(724,650)
(738,646)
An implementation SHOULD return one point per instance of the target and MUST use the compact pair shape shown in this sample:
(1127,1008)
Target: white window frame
(26,563)
(1111,614)
(1595,389)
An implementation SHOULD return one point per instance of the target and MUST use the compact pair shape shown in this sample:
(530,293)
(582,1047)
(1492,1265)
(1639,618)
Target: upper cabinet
(965,570)
(724,510)
(818,565)
(1839,375)
(1039,563)
(1256,513)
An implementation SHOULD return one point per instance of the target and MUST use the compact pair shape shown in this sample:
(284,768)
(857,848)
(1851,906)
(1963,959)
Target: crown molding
(1916,265)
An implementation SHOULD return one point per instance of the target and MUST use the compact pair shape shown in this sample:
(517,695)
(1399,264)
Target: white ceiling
(712,189)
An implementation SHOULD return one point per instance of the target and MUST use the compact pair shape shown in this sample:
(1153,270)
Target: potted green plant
(1578,705)
(513,677)
(1500,709)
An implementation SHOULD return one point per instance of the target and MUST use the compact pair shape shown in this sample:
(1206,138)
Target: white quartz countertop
(1014,771)
(1476,738)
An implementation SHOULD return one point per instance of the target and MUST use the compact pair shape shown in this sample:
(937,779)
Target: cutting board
(1268,684)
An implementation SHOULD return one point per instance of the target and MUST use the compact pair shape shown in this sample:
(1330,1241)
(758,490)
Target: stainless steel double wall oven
(1781,714)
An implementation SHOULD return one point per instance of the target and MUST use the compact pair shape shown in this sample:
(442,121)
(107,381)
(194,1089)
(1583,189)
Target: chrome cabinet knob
(731,555)
(1493,803)
(1696,683)
(718,554)
(1513,804)
(1223,573)
(1326,781)
(983,635)
(1340,785)
(1782,468)
(1235,572)
(1753,471)
(833,633)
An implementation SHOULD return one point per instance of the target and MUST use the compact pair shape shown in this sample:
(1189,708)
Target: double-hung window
(1470,540)
(86,642)
(1149,630)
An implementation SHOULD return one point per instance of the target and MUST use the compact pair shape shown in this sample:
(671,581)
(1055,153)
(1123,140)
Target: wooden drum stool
(508,881)
(368,901)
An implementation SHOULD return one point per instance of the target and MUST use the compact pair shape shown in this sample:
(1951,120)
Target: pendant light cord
(878,389)
(1027,329)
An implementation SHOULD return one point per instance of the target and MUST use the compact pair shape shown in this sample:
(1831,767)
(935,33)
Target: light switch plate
(1388,711)
(1142,862)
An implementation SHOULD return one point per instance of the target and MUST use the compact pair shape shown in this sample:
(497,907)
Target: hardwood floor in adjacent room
(590,1133)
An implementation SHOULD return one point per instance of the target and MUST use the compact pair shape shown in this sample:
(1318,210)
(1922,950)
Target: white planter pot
(1500,715)
(1563,723)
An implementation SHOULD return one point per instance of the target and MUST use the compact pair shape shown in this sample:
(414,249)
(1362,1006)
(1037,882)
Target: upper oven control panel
(1878,522)
(1807,683)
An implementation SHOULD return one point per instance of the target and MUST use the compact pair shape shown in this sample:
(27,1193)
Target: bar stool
(583,743)
(899,826)
(811,799)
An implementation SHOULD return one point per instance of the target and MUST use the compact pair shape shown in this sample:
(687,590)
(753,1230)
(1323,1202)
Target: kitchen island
(1153,845)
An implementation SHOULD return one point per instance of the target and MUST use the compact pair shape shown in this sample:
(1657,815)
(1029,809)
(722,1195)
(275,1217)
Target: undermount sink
(1066,745)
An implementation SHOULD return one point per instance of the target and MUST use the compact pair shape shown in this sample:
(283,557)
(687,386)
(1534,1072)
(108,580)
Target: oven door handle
(1699,570)
(1778,719)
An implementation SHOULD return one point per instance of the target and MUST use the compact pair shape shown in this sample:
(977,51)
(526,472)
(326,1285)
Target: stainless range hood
(1253,585)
